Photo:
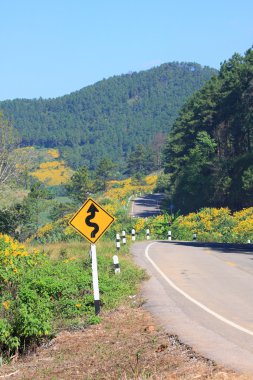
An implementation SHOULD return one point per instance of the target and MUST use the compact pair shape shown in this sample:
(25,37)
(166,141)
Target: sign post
(91,221)
(95,278)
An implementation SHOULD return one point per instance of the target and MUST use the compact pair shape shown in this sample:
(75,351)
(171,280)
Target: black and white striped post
(95,279)
(169,235)
(117,242)
(195,237)
(133,234)
(116,264)
(124,237)
(147,233)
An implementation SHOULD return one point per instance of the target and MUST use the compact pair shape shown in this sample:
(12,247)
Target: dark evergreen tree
(80,185)
(208,154)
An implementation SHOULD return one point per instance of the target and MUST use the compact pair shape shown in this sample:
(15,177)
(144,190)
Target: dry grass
(126,345)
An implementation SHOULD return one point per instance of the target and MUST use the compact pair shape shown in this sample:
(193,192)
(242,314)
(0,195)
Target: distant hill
(110,117)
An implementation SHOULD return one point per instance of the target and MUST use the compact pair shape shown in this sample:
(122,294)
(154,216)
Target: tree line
(208,158)
(109,118)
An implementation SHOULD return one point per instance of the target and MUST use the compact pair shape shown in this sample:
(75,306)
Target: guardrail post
(116,264)
(124,237)
(117,242)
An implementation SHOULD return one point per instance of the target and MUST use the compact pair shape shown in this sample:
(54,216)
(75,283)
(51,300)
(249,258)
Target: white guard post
(95,279)
(194,237)
(147,233)
(124,237)
(133,234)
(117,242)
(169,235)
(116,264)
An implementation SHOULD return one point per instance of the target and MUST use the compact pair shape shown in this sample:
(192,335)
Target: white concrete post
(116,264)
(123,237)
(95,279)
(117,242)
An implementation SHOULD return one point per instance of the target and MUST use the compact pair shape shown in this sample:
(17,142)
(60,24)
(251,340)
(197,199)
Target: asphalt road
(203,294)
(147,205)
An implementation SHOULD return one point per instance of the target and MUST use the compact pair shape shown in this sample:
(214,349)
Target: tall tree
(9,158)
(223,110)
(14,161)
(104,172)
(80,184)
(141,161)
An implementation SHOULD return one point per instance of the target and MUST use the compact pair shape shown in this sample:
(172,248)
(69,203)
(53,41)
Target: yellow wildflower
(6,304)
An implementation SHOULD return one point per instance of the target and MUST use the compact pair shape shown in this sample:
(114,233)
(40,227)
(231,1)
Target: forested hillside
(208,158)
(110,117)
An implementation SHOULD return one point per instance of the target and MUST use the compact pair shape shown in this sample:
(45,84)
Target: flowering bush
(243,228)
(53,173)
(53,153)
(39,293)
(22,314)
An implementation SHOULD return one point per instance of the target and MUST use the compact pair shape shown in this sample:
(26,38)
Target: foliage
(21,219)
(208,154)
(140,162)
(53,173)
(14,162)
(210,224)
(80,184)
(103,173)
(39,293)
(116,201)
(110,117)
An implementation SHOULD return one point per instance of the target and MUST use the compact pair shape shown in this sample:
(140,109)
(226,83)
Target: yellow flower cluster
(151,180)
(53,173)
(53,153)
(44,230)
(13,255)
(119,190)
(140,225)
(6,304)
(244,223)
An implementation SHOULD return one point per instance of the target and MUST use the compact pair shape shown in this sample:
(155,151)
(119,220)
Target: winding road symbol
(92,211)
(91,221)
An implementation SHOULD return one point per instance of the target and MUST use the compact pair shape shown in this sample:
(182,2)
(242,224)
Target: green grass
(56,291)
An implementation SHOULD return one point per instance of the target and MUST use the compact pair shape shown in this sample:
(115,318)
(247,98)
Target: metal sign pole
(95,279)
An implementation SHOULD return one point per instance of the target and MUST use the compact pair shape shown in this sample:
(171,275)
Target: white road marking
(199,304)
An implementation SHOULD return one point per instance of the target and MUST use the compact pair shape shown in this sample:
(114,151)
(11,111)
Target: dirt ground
(126,345)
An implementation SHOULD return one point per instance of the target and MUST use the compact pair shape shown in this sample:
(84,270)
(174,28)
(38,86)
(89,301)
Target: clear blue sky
(50,48)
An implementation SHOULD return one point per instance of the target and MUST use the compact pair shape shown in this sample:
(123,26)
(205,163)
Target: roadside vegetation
(49,288)
(45,268)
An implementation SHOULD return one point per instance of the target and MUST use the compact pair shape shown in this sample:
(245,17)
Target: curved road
(147,205)
(204,294)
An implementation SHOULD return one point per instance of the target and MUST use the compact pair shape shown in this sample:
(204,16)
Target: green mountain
(208,157)
(110,117)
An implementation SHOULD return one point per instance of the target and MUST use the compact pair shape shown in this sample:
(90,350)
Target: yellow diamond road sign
(91,221)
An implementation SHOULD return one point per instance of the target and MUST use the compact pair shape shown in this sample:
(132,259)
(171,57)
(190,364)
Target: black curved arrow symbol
(92,210)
